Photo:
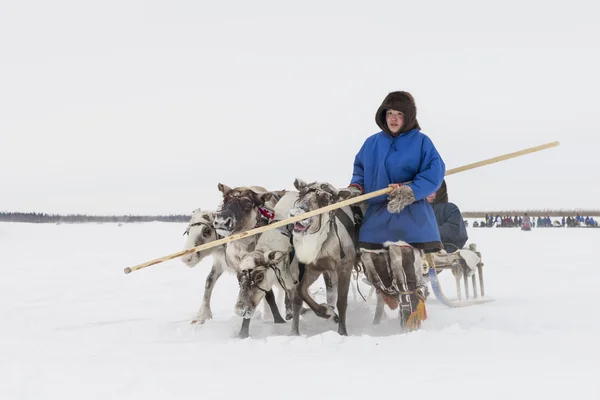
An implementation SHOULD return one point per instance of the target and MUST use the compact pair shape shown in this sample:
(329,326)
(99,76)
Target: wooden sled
(435,262)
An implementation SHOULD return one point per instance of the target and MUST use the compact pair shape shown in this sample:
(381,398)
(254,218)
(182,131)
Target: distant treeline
(532,213)
(34,217)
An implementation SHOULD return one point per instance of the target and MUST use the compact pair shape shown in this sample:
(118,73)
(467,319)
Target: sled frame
(458,271)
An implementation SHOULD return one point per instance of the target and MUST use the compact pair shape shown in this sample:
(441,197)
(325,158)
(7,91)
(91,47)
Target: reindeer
(201,230)
(245,208)
(325,244)
(272,263)
(396,273)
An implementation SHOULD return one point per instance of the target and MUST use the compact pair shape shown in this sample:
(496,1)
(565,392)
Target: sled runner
(465,264)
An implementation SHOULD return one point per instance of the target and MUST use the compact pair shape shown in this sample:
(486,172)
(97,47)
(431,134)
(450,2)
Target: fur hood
(399,101)
(441,195)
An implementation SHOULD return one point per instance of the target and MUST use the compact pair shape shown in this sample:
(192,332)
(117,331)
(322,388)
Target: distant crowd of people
(540,222)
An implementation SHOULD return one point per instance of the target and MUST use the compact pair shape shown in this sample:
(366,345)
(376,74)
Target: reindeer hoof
(328,312)
(243,335)
(244,329)
(202,317)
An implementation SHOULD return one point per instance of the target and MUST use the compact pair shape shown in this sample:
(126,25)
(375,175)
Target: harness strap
(266,212)
(345,220)
(348,224)
(187,231)
(278,274)
(252,283)
(358,220)
(335,229)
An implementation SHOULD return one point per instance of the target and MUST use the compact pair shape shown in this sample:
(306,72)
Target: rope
(252,282)
(277,271)
(357,268)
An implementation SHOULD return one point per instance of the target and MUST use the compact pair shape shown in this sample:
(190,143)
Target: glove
(399,198)
(355,191)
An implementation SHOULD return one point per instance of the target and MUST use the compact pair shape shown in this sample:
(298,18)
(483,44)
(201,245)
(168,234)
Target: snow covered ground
(74,326)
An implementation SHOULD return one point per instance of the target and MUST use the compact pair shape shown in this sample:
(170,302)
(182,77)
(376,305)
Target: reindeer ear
(279,193)
(299,184)
(261,198)
(224,189)
(264,197)
(343,194)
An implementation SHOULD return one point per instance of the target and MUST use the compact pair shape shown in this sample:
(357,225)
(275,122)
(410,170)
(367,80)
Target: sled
(435,262)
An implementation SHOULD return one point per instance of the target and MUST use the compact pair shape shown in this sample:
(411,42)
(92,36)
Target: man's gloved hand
(399,198)
(355,191)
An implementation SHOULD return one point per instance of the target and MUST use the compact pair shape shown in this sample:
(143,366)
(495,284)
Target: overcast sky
(145,106)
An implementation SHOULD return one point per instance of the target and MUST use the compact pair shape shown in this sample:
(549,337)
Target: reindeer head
(239,211)
(199,231)
(256,277)
(311,197)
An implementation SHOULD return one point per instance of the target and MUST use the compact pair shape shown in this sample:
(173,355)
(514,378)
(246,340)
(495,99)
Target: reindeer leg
(289,310)
(204,313)
(378,310)
(331,285)
(371,291)
(354,293)
(296,308)
(245,329)
(406,263)
(270,299)
(280,295)
(321,310)
(344,278)
(369,261)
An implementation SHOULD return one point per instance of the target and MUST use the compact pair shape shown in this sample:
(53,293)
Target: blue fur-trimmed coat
(383,160)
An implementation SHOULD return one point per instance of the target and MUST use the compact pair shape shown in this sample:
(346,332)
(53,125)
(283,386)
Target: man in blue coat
(400,155)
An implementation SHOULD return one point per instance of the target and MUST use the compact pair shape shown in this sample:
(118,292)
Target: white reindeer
(201,230)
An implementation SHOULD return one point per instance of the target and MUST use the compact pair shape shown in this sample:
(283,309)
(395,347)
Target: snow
(75,326)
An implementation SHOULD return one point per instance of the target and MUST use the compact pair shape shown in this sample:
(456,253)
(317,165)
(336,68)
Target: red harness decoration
(266,212)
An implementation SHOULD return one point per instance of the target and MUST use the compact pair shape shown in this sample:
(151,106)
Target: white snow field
(74,326)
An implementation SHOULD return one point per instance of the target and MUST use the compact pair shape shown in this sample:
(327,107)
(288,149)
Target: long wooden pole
(330,207)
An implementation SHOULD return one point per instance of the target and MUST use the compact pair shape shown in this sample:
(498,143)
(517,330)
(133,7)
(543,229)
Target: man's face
(395,120)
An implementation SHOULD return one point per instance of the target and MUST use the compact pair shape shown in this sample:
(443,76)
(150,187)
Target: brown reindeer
(245,208)
(325,244)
